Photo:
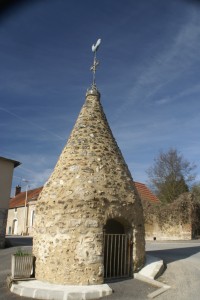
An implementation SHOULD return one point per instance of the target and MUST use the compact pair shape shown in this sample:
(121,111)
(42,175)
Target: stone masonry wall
(169,221)
(90,184)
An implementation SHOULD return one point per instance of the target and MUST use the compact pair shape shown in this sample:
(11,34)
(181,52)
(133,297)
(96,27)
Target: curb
(153,268)
(162,287)
(42,290)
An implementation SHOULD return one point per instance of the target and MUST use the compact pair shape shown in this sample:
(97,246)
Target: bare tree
(170,175)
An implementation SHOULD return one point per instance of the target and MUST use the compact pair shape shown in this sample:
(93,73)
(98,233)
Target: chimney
(17,190)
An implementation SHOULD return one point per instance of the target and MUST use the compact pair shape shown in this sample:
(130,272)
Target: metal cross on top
(95,62)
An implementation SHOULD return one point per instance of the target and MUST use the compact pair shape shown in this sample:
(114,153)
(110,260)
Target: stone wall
(168,232)
(90,184)
(3,221)
(173,221)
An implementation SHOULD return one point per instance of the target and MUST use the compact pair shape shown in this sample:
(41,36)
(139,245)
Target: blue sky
(148,78)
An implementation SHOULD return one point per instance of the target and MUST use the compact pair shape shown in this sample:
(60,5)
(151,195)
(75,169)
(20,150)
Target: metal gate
(117,256)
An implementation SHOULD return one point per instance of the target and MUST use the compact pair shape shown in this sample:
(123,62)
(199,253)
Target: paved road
(182,273)
(183,268)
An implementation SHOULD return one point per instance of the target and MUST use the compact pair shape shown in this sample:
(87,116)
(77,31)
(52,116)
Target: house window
(14,226)
(9,230)
(32,217)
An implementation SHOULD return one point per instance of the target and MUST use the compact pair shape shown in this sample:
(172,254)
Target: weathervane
(95,62)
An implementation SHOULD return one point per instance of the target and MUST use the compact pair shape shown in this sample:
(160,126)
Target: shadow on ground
(171,255)
(18,241)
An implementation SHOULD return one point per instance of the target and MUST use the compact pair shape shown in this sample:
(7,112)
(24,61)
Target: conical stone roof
(90,184)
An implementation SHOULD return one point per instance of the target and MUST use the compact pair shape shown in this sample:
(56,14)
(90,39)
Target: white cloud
(180,53)
(27,121)
(163,101)
(39,178)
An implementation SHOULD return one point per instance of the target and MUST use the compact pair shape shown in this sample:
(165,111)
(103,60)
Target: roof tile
(145,193)
(19,200)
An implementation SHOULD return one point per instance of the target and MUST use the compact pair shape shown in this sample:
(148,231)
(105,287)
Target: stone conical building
(89,193)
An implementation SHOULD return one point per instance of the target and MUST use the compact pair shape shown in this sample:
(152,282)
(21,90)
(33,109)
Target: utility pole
(25,208)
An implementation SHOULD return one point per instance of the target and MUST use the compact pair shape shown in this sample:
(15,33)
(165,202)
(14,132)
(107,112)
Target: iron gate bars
(117,256)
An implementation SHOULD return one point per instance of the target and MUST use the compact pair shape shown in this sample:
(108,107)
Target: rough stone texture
(90,184)
(3,221)
(174,221)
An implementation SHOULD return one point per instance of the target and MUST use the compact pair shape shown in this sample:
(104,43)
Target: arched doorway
(117,251)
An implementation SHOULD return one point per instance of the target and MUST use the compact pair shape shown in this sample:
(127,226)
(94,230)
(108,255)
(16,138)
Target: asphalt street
(183,268)
(182,273)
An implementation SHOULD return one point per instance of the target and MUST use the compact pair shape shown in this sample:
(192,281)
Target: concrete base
(153,268)
(43,290)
